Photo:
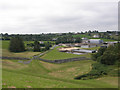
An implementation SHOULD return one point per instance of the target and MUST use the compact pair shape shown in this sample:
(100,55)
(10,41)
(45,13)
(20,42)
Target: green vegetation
(68,39)
(26,54)
(36,46)
(105,57)
(82,35)
(6,52)
(5,44)
(108,55)
(16,45)
(40,74)
(100,70)
(55,54)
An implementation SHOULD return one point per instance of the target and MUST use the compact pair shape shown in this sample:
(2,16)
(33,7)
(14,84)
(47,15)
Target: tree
(16,45)
(78,40)
(108,58)
(47,46)
(98,54)
(36,46)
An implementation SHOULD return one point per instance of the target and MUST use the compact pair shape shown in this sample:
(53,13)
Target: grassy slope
(45,75)
(55,54)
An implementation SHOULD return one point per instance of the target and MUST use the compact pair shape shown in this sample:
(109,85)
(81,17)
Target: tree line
(50,36)
(17,45)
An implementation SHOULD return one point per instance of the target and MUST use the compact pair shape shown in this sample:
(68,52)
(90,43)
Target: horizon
(60,32)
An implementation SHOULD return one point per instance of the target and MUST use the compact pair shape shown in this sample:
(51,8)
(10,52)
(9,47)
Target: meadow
(6,52)
(38,74)
(55,54)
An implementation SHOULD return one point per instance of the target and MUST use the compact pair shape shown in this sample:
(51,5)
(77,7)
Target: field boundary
(49,61)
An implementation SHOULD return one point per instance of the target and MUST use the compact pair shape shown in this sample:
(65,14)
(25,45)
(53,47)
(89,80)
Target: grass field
(6,52)
(40,74)
(26,54)
(55,54)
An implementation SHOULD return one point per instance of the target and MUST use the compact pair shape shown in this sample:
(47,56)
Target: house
(84,40)
(41,42)
(54,39)
(95,36)
(95,41)
(84,51)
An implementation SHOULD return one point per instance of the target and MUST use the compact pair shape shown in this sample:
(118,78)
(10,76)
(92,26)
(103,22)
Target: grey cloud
(77,17)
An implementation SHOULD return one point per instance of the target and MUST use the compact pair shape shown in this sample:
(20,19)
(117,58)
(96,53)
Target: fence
(49,61)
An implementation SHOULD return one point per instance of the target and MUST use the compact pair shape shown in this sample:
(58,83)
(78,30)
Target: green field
(40,74)
(55,54)
(6,52)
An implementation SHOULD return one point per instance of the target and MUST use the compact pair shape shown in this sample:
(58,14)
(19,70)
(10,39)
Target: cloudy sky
(45,16)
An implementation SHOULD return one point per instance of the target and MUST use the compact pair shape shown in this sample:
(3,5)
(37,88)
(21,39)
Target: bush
(109,58)
(99,53)
(97,71)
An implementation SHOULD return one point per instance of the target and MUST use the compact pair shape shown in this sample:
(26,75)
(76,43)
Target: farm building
(84,51)
(67,49)
(96,41)
(84,40)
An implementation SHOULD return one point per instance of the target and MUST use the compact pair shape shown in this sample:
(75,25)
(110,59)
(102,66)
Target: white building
(95,41)
(84,40)
(96,36)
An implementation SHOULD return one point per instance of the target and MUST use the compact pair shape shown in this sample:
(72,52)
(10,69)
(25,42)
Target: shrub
(97,71)
(36,46)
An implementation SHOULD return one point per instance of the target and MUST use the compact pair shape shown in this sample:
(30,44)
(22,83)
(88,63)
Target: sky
(57,16)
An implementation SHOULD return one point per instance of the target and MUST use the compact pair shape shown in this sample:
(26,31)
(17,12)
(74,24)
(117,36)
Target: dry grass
(51,66)
(111,80)
(21,54)
(7,64)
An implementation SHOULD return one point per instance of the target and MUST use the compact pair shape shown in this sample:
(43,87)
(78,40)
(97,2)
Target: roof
(94,39)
